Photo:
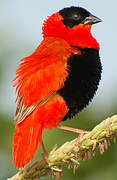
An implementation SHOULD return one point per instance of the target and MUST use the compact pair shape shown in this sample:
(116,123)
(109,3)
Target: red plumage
(39,77)
(28,133)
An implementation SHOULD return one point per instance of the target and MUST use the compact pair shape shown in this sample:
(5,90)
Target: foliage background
(20,33)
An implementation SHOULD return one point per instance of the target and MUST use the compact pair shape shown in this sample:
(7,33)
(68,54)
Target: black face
(75,15)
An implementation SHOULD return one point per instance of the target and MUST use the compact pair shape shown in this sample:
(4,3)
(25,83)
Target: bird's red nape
(80,35)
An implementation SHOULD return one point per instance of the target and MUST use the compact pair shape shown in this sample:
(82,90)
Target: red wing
(40,75)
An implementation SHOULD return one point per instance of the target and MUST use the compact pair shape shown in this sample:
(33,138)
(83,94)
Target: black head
(76,15)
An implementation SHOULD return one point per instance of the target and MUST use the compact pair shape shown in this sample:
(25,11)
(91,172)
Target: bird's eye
(75,17)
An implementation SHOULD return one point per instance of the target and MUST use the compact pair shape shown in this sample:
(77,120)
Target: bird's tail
(27,137)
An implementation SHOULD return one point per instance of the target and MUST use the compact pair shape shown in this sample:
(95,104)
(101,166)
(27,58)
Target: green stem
(72,152)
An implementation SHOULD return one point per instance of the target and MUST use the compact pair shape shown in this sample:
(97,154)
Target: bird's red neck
(80,35)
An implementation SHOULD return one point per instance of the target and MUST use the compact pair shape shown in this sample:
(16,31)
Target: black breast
(82,83)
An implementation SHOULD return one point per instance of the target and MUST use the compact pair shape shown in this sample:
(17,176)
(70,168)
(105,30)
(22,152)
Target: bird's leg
(45,153)
(79,131)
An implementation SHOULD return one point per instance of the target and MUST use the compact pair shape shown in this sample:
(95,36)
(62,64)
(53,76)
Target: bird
(57,80)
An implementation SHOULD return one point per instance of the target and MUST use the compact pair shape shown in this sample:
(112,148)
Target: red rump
(28,133)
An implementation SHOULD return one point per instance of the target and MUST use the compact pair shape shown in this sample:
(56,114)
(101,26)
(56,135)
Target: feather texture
(28,133)
(46,81)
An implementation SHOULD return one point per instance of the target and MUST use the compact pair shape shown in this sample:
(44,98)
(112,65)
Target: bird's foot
(81,134)
(79,131)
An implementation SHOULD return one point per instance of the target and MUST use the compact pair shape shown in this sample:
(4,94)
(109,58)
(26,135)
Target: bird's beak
(91,20)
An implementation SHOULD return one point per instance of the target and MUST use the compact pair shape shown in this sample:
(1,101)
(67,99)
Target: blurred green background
(20,34)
